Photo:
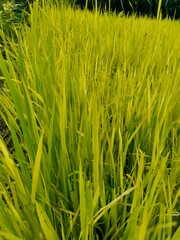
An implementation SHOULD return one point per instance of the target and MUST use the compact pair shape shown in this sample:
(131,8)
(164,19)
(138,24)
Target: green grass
(92,104)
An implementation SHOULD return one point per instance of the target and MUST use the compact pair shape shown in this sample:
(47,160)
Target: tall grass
(92,104)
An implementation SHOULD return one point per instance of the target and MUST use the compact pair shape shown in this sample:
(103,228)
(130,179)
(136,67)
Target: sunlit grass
(92,104)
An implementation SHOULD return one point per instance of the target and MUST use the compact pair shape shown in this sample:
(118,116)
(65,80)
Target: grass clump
(92,104)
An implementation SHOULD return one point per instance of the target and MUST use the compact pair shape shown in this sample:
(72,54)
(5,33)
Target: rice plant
(92,106)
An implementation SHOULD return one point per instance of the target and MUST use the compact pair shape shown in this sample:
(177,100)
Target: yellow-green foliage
(92,104)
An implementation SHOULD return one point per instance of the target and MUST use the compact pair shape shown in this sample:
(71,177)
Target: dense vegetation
(91,103)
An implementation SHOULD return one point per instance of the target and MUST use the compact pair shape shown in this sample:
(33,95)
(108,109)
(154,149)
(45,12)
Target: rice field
(92,106)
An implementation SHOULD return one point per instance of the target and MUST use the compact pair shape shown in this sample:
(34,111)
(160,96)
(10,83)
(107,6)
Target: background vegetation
(92,106)
(169,8)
